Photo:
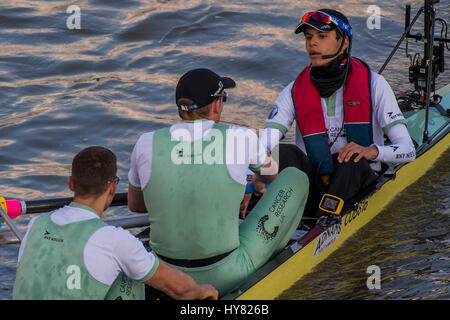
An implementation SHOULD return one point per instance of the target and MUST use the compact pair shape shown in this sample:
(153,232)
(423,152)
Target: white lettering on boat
(327,238)
(362,206)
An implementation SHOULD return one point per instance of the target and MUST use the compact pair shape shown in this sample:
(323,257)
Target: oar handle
(4,217)
(15,208)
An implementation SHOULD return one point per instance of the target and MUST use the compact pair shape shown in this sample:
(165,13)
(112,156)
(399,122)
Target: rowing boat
(428,124)
(302,255)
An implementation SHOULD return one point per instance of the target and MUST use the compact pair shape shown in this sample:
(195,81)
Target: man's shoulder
(364,62)
(33,220)
(376,77)
(113,230)
(146,137)
(235,129)
(111,236)
(287,89)
(380,85)
(285,96)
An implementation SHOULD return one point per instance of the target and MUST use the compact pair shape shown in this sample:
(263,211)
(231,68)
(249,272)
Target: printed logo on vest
(48,237)
(354,103)
(334,132)
(126,285)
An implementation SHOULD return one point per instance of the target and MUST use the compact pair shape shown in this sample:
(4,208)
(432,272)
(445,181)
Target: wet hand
(345,153)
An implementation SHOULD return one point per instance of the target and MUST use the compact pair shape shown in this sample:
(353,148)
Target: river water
(113,79)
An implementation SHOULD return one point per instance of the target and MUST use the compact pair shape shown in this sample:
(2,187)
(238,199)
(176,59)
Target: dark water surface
(62,90)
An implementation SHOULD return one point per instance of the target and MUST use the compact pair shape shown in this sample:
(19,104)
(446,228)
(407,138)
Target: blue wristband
(250,188)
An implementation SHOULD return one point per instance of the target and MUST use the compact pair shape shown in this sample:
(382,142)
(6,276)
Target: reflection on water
(62,90)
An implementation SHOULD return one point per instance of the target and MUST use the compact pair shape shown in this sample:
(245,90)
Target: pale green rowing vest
(52,265)
(193,205)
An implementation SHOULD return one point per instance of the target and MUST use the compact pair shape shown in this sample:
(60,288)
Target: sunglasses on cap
(218,95)
(319,16)
(215,95)
(116,179)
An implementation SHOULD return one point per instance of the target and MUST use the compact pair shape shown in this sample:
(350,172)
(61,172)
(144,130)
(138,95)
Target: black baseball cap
(202,86)
(321,26)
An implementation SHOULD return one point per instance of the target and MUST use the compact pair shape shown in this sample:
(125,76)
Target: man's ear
(112,189)
(216,106)
(345,47)
(70,183)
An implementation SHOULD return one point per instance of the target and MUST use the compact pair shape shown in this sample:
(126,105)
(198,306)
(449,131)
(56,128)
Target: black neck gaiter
(331,76)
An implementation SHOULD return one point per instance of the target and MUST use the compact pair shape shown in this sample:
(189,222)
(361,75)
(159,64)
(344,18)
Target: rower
(72,254)
(191,178)
(340,148)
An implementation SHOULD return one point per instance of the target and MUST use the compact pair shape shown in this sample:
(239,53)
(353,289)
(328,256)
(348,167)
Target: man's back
(195,187)
(202,169)
(67,254)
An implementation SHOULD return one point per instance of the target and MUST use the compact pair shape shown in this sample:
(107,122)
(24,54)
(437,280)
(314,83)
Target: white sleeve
(111,250)
(386,109)
(270,138)
(402,148)
(258,155)
(133,258)
(281,117)
(141,161)
(133,176)
(24,240)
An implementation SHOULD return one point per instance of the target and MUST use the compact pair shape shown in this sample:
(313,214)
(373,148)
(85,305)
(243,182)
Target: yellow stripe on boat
(304,261)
